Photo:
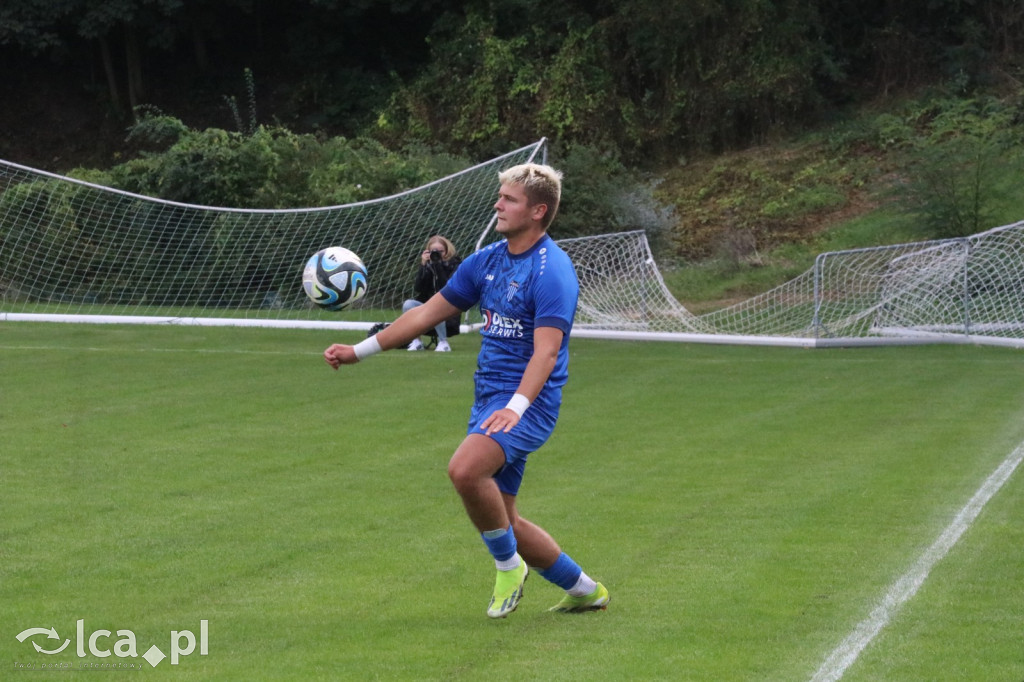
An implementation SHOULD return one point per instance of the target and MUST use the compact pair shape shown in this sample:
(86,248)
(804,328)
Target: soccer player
(527,291)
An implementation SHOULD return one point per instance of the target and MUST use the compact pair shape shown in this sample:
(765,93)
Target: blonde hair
(541,184)
(449,248)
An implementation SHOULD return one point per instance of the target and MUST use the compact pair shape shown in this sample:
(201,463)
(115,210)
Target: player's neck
(523,241)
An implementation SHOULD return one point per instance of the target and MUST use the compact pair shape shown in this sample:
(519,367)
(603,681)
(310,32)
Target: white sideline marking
(844,655)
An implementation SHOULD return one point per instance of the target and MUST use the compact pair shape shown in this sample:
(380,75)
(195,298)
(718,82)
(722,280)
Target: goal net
(968,290)
(73,251)
(964,290)
(622,291)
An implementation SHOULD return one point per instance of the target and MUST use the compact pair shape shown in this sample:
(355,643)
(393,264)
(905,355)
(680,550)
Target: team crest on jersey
(513,287)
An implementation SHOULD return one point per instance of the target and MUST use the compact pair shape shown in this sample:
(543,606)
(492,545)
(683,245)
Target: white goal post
(71,251)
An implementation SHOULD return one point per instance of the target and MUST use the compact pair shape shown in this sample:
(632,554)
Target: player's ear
(539,211)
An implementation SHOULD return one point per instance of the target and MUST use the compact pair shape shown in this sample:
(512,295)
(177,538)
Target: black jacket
(432,277)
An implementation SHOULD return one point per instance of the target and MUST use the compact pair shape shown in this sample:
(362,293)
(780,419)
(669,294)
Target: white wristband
(518,404)
(368,347)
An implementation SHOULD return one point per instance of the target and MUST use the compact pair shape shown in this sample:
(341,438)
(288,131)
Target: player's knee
(462,477)
(468,468)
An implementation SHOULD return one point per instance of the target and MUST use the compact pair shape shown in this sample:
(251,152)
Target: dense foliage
(648,79)
(273,167)
(269,167)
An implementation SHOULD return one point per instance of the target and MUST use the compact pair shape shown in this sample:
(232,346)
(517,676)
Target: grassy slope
(752,219)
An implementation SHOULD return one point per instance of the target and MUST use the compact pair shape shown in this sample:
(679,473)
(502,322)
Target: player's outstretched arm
(416,321)
(403,330)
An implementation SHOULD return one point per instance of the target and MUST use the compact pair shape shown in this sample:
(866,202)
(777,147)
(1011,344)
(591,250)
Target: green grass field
(747,508)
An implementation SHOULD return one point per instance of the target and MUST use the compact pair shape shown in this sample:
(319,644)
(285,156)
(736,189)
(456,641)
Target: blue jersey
(517,293)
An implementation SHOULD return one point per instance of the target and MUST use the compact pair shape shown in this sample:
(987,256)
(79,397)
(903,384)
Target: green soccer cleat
(508,590)
(595,601)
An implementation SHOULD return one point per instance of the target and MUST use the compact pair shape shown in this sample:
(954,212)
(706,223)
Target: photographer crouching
(438,261)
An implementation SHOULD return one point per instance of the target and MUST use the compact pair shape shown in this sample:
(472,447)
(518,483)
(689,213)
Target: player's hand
(500,420)
(339,354)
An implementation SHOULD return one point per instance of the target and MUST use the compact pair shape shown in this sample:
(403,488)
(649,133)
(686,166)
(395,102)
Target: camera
(436,256)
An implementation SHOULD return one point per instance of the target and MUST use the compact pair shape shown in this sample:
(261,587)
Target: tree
(650,79)
(643,76)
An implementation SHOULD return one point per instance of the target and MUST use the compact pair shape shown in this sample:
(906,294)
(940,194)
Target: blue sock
(564,572)
(500,543)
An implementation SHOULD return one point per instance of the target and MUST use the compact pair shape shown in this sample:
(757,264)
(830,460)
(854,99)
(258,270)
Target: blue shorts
(532,431)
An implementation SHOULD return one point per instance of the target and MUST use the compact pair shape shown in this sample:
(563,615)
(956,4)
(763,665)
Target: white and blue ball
(334,278)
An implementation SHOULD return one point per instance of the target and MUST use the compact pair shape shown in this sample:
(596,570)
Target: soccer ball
(334,278)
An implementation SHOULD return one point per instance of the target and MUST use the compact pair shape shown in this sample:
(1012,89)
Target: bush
(270,168)
(959,152)
(601,195)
